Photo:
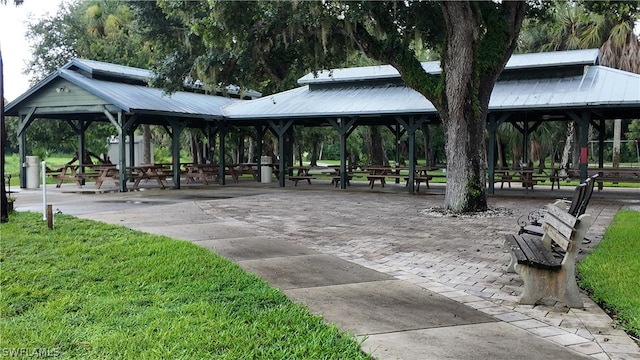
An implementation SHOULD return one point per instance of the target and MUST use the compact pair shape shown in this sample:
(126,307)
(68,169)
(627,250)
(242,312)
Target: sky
(15,48)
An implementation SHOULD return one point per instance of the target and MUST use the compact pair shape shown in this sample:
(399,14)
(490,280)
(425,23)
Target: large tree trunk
(428,151)
(314,154)
(474,57)
(480,38)
(566,151)
(462,116)
(377,155)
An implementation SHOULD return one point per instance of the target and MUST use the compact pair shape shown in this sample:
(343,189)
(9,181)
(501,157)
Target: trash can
(265,169)
(33,172)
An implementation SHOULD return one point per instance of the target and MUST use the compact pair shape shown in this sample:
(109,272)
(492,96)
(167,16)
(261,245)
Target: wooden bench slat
(515,248)
(532,252)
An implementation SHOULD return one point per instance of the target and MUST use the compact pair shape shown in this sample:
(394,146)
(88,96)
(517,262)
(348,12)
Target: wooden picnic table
(201,172)
(527,176)
(106,172)
(381,173)
(301,173)
(245,168)
(616,175)
(335,176)
(206,172)
(77,173)
(148,172)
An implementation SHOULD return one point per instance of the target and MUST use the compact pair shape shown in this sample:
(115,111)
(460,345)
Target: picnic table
(207,172)
(381,173)
(77,173)
(148,172)
(301,173)
(245,168)
(335,175)
(616,175)
(201,172)
(527,176)
(106,172)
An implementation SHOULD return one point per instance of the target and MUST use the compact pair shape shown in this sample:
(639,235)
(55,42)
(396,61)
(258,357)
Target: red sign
(583,155)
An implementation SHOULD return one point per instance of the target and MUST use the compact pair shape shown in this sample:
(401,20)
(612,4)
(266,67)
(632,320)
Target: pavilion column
(583,121)
(22,151)
(122,150)
(177,127)
(260,130)
(281,128)
(223,129)
(601,137)
(411,126)
(132,146)
(344,128)
(24,122)
(120,126)
(22,154)
(80,129)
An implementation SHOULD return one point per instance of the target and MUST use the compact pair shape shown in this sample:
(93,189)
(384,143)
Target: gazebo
(533,88)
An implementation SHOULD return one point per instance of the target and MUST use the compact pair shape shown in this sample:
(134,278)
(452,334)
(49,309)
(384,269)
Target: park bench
(547,264)
(576,207)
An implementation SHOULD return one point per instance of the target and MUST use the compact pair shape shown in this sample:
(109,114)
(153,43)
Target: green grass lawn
(611,272)
(94,291)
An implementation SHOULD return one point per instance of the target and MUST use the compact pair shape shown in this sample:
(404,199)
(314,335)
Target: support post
(344,128)
(281,128)
(411,126)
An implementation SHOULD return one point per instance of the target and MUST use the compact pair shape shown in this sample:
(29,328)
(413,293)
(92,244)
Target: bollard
(50,216)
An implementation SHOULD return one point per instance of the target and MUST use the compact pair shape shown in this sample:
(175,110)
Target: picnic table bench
(148,172)
(422,175)
(302,173)
(616,175)
(527,177)
(547,264)
(74,172)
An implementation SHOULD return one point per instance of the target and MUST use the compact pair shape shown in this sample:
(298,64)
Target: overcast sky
(15,49)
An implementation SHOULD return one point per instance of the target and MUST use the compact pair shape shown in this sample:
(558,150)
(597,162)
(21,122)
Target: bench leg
(539,284)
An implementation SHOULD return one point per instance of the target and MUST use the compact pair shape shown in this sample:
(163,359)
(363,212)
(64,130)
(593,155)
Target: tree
(98,30)
(621,50)
(4,202)
(274,41)
(580,25)
(475,40)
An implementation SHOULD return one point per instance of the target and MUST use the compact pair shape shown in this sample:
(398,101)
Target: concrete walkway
(382,264)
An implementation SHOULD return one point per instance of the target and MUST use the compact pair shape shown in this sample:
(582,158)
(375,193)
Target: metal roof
(135,98)
(95,68)
(303,102)
(599,85)
(142,99)
(553,59)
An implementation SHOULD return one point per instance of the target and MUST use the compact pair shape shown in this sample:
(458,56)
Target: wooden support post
(50,216)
